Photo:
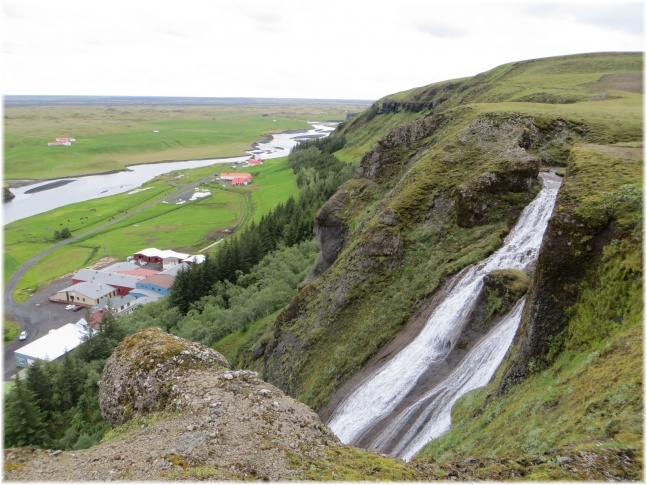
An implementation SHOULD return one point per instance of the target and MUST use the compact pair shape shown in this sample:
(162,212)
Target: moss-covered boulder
(141,374)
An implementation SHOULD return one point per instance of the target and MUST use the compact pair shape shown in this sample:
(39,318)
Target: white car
(23,335)
(69,307)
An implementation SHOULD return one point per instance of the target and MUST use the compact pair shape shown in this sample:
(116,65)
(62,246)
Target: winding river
(47,195)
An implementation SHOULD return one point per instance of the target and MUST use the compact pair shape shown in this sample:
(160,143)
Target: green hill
(422,206)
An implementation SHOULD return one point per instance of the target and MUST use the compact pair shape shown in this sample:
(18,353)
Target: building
(254,161)
(166,257)
(157,284)
(241,181)
(53,345)
(233,175)
(121,281)
(120,306)
(85,294)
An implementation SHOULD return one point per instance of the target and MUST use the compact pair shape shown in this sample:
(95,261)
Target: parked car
(77,308)
(23,335)
(70,307)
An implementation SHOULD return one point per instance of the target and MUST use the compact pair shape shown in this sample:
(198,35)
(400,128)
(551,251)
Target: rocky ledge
(185,416)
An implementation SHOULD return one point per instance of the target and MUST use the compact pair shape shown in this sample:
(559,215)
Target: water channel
(44,196)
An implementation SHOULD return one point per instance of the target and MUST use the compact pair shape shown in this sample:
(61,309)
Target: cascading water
(379,395)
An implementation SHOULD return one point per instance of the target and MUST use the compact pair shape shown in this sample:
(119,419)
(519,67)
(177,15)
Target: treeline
(57,405)
(233,306)
(318,174)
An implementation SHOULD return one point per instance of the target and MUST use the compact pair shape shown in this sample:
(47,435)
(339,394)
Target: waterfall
(379,394)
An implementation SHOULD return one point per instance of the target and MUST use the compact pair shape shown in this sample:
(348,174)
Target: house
(254,161)
(86,293)
(53,345)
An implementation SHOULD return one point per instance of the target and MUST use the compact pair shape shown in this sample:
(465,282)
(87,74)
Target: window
(21,361)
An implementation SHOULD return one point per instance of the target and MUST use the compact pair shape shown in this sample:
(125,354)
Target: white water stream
(379,394)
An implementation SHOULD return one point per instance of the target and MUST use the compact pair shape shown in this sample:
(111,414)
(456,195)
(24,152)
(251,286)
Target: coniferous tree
(24,423)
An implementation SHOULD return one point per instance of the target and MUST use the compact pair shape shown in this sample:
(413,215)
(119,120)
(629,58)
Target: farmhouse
(254,161)
(53,345)
(167,257)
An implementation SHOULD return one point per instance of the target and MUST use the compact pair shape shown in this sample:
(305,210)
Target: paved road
(38,315)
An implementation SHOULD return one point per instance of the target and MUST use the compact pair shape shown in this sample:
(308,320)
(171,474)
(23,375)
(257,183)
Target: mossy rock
(503,288)
(138,377)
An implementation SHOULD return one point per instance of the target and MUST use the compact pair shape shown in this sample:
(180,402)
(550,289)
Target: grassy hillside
(421,208)
(587,392)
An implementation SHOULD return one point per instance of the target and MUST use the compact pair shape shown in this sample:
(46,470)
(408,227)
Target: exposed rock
(141,374)
(8,194)
(192,419)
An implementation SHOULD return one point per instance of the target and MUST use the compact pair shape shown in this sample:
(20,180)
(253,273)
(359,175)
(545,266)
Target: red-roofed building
(241,181)
(234,175)
(254,161)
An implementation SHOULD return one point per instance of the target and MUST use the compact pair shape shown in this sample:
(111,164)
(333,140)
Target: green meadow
(122,224)
(113,137)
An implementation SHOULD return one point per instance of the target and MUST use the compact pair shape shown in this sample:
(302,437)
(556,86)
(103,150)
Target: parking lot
(37,316)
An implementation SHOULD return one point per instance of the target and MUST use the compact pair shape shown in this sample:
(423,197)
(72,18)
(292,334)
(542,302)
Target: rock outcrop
(184,415)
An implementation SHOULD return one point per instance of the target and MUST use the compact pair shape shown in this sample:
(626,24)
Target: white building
(54,345)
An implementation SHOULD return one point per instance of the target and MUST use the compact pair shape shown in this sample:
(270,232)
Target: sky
(330,49)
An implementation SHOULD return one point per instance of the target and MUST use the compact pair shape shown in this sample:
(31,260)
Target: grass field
(112,137)
(188,227)
(109,138)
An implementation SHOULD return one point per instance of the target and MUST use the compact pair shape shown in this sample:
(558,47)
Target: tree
(65,233)
(24,423)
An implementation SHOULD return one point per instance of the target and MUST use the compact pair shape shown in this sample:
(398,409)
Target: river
(37,198)
(372,408)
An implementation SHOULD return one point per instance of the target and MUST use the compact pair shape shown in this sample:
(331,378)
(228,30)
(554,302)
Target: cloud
(624,17)
(436,29)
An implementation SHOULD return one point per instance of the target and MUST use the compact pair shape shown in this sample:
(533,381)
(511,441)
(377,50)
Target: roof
(175,269)
(145,296)
(161,280)
(113,279)
(119,267)
(56,342)
(255,161)
(90,289)
(167,253)
(140,273)
(235,175)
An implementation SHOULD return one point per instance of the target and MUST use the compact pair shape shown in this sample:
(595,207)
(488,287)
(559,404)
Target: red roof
(254,161)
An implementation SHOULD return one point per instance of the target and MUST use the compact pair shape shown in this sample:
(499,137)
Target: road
(38,315)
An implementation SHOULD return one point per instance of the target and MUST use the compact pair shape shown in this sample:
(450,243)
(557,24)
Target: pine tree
(24,423)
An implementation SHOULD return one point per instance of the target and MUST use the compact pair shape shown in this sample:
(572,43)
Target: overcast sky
(343,49)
